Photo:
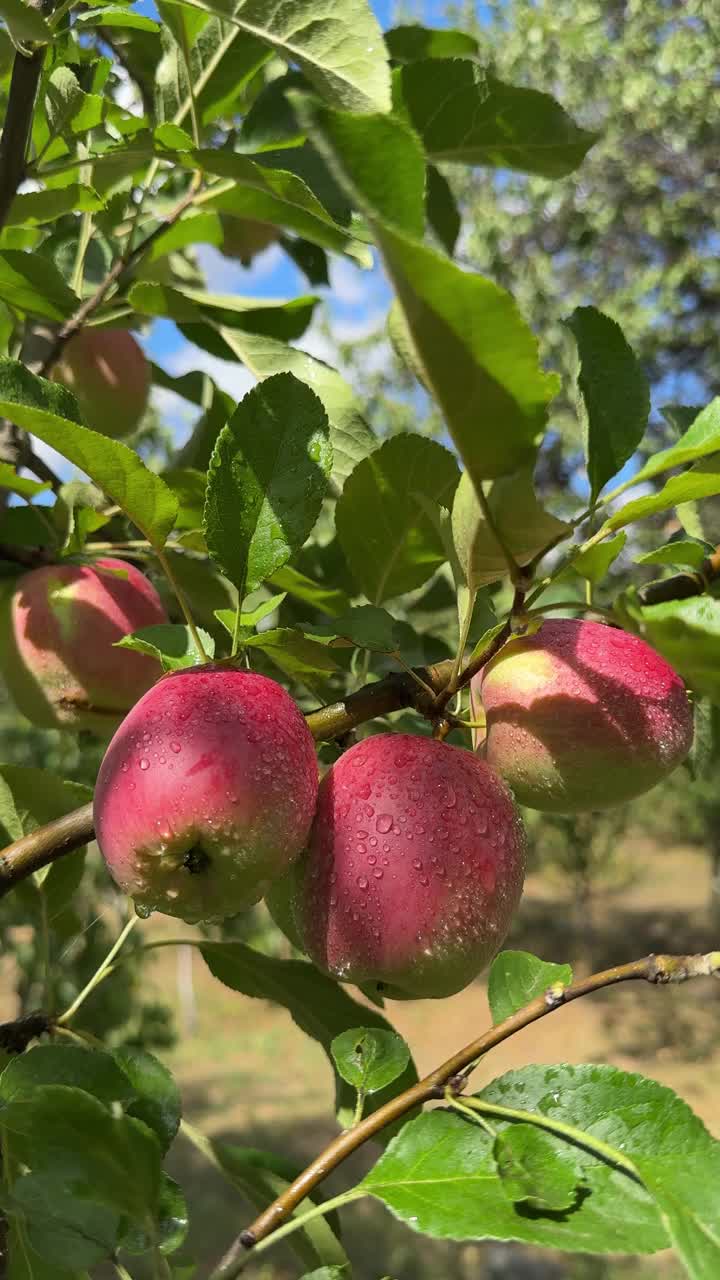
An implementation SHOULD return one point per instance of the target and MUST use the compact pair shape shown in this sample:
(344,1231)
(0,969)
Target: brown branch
(116,276)
(653,969)
(27,68)
(55,839)
(681,586)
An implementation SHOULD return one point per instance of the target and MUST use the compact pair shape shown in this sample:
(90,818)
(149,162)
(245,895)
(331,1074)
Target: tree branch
(18,120)
(115,277)
(653,969)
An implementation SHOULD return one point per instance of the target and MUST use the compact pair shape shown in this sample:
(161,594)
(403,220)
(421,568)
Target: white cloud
(224,275)
(350,285)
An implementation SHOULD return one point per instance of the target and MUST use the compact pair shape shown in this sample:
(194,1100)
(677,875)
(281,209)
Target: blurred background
(636,233)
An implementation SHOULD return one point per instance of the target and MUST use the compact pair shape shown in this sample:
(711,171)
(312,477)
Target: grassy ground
(250,1077)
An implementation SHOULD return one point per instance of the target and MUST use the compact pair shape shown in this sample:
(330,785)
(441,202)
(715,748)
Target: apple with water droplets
(206,793)
(414,869)
(57,631)
(582,716)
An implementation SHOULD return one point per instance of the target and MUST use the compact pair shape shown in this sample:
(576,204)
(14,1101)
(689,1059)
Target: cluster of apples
(404,866)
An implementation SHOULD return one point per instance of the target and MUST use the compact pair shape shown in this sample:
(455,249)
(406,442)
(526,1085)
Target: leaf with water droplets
(268,475)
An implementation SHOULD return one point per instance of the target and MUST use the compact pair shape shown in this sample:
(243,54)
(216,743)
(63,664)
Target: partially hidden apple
(108,372)
(58,628)
(206,793)
(414,869)
(582,716)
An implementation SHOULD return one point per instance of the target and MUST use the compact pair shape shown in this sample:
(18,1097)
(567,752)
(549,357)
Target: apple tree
(310,663)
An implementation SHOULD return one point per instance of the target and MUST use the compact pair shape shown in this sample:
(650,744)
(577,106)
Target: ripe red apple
(206,793)
(106,369)
(245,238)
(57,633)
(582,716)
(414,869)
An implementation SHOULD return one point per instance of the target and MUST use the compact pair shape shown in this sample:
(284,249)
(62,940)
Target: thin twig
(653,969)
(681,586)
(115,277)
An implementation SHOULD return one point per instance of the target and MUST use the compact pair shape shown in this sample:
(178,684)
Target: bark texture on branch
(655,969)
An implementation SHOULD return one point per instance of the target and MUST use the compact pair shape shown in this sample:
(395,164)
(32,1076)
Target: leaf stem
(604,1152)
(180,595)
(237,1257)
(99,973)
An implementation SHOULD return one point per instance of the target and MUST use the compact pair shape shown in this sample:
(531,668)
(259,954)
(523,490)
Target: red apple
(582,716)
(415,867)
(107,371)
(206,793)
(56,643)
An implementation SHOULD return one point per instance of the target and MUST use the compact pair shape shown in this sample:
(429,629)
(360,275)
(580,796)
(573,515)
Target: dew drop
(144,763)
(175,746)
(125,766)
(384,823)
(378,873)
(362,882)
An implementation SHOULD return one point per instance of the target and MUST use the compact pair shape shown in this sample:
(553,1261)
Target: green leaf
(50,412)
(615,394)
(91,1070)
(327,1273)
(297,656)
(250,618)
(105,1158)
(522,526)
(22,485)
(326,599)
(478,356)
(60,1224)
(465,115)
(388,539)
(439,1174)
(266,481)
(37,796)
(680,416)
(517,977)
(277,318)
(700,481)
(341,51)
(273,195)
(441,210)
(680,552)
(365,627)
(700,439)
(686,1195)
(371,147)
(594,563)
(35,207)
(532,1170)
(171,644)
(687,634)
(171,1223)
(115,16)
(369,1058)
(412,42)
(156,1096)
(25,23)
(320,1007)
(351,437)
(261,1176)
(25,1264)
(32,284)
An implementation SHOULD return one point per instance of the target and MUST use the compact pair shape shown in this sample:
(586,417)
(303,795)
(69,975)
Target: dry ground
(250,1077)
